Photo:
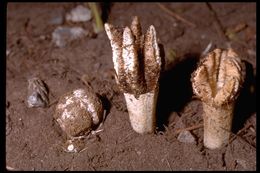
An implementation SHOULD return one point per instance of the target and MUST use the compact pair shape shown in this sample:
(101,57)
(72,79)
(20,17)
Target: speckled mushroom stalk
(217,82)
(137,64)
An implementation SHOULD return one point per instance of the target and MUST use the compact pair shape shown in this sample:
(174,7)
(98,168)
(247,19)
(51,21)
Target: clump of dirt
(34,141)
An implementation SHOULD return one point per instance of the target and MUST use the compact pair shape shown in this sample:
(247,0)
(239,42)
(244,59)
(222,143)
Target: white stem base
(217,125)
(142,111)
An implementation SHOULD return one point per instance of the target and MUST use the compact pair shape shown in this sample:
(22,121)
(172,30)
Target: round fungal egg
(78,111)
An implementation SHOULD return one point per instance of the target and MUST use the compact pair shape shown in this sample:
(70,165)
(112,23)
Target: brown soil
(34,141)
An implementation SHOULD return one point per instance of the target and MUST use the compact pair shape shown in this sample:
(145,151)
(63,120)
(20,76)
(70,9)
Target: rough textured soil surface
(34,141)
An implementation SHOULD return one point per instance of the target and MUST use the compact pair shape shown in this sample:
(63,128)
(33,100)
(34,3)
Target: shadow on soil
(105,8)
(175,88)
(246,102)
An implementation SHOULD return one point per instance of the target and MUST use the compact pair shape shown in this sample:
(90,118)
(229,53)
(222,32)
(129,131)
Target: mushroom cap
(219,77)
(78,111)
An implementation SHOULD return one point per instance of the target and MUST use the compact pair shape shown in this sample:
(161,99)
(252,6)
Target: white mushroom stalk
(217,82)
(137,64)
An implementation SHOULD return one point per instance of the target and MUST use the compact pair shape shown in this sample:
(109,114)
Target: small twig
(237,136)
(206,50)
(250,145)
(99,23)
(239,27)
(176,15)
(104,116)
(9,168)
(93,132)
(93,168)
(66,169)
(54,102)
(168,164)
(238,133)
(189,128)
(125,138)
(252,129)
(83,149)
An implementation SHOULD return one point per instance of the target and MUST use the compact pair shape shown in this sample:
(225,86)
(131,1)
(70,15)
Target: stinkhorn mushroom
(78,111)
(137,64)
(217,82)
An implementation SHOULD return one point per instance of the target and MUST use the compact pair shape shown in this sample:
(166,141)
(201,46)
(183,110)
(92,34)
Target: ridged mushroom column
(137,64)
(217,82)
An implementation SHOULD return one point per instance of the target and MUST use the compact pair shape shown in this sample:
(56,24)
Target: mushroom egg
(78,111)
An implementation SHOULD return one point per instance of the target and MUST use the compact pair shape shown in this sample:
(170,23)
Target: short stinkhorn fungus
(137,64)
(217,82)
(78,111)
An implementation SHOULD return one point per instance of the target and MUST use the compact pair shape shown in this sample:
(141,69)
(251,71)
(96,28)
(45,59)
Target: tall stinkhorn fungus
(137,64)
(217,82)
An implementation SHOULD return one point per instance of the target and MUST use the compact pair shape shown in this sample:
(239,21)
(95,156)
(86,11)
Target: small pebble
(37,93)
(79,14)
(71,147)
(186,137)
(7,52)
(75,145)
(61,36)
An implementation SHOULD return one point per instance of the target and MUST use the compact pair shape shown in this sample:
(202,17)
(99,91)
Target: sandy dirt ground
(34,141)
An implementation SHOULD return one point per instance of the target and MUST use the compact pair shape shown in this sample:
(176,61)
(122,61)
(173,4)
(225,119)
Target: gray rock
(57,20)
(79,14)
(37,93)
(63,35)
(186,137)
